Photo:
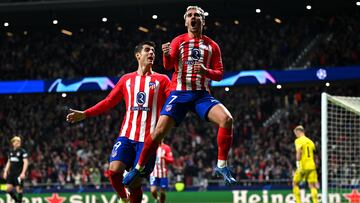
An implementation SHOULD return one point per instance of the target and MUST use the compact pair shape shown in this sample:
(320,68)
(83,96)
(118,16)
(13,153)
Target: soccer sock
(136,195)
(20,196)
(116,179)
(224,141)
(314,195)
(13,195)
(162,197)
(296,191)
(150,147)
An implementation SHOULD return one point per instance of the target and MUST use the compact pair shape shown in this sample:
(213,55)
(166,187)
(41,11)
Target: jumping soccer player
(306,169)
(197,61)
(144,92)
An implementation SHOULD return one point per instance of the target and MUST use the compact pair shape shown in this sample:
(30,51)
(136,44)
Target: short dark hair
(139,47)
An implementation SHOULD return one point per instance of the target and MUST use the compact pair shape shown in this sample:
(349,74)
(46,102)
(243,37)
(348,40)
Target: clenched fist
(166,48)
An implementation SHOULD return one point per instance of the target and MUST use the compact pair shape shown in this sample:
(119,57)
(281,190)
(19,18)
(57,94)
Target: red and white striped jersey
(184,52)
(144,97)
(163,158)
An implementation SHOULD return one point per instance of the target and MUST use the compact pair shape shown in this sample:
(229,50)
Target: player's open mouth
(151,58)
(193,23)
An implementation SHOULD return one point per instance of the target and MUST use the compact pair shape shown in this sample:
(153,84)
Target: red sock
(162,197)
(136,195)
(116,179)
(224,140)
(148,150)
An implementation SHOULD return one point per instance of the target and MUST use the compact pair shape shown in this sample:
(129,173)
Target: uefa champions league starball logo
(321,74)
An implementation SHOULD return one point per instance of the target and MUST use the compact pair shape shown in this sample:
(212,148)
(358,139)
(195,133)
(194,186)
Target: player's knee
(153,190)
(227,121)
(117,167)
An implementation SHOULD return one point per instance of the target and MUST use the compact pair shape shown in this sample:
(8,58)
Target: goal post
(340,144)
(324,167)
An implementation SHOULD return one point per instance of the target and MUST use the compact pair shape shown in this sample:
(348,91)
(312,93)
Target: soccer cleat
(226,174)
(131,176)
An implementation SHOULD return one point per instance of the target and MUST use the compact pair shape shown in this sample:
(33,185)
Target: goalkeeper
(306,169)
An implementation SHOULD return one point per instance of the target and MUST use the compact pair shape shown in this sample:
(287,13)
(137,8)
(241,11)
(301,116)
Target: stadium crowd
(77,155)
(258,43)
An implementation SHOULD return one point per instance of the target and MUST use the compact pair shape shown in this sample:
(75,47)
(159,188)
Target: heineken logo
(246,196)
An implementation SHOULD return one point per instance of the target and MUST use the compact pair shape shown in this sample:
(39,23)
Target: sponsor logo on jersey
(139,108)
(14,159)
(189,62)
(141,98)
(195,54)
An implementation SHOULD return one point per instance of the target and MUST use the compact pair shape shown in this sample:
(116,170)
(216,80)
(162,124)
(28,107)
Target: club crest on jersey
(152,85)
(141,98)
(195,54)
(203,46)
(168,107)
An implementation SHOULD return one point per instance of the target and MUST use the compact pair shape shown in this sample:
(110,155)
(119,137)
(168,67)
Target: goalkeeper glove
(298,166)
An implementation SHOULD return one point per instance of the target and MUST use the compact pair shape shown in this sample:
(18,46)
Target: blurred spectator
(258,43)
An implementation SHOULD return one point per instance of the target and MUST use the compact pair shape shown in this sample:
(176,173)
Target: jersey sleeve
(298,144)
(169,61)
(216,70)
(113,98)
(313,145)
(25,155)
(168,155)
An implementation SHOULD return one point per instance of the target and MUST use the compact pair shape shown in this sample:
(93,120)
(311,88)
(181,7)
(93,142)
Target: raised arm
(109,102)
(170,54)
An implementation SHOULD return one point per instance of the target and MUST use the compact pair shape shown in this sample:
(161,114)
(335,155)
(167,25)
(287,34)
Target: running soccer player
(197,61)
(144,92)
(159,177)
(306,169)
(15,169)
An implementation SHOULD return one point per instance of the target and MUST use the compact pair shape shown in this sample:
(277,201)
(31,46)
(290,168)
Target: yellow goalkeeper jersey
(307,147)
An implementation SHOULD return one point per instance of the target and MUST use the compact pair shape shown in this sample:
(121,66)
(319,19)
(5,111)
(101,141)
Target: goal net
(340,145)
